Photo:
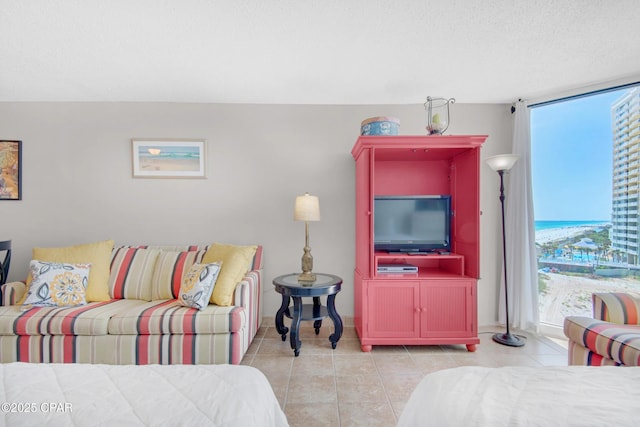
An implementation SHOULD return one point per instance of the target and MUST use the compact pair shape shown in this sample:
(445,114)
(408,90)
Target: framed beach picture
(169,158)
(10,170)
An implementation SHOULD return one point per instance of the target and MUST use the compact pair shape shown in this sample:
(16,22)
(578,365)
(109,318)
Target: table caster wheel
(296,353)
(284,337)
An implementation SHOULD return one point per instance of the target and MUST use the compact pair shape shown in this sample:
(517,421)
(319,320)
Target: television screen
(412,223)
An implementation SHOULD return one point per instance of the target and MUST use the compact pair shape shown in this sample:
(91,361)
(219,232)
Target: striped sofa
(130,329)
(611,337)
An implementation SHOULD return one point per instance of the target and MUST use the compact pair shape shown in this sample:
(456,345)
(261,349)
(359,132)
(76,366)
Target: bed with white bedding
(128,395)
(523,396)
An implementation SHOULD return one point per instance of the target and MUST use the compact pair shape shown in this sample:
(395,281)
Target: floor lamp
(502,163)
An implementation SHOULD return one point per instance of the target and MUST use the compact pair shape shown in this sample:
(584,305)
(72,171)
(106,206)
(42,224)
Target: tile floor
(346,387)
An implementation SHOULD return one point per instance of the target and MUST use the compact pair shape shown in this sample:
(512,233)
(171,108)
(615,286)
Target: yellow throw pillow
(236,262)
(97,254)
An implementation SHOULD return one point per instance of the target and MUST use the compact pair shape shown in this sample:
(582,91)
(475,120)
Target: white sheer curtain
(520,233)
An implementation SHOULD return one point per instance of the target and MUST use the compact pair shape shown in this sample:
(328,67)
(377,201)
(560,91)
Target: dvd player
(397,268)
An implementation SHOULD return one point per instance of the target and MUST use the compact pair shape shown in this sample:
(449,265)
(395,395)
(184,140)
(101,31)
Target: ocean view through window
(586,184)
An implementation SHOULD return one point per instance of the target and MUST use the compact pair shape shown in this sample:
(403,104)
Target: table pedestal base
(315,312)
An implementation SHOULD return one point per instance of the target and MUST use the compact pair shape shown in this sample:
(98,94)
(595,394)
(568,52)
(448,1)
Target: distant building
(625,121)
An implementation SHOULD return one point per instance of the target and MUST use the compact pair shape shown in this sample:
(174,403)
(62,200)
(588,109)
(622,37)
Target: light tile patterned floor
(346,387)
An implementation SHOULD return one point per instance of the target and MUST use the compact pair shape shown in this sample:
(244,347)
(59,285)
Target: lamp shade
(307,208)
(502,162)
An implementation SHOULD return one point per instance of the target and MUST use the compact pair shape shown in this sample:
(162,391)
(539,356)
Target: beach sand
(170,165)
(571,295)
(559,234)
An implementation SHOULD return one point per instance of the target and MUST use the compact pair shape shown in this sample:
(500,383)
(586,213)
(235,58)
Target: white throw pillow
(198,284)
(56,284)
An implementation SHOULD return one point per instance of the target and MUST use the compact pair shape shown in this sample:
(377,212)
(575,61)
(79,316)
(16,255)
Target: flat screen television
(412,224)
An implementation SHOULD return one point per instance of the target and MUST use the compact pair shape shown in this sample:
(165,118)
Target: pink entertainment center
(422,293)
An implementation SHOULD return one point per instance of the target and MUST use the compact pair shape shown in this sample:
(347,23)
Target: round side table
(289,287)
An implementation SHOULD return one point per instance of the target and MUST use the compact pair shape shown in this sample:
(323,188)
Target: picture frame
(168,158)
(10,170)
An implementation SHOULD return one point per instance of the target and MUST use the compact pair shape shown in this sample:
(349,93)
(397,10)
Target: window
(586,186)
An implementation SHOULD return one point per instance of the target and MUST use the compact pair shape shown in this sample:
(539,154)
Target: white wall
(78,185)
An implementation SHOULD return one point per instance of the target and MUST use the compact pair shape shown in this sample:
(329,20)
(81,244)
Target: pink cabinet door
(393,308)
(447,308)
(466,225)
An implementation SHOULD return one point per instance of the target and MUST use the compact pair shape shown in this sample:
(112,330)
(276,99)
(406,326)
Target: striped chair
(611,337)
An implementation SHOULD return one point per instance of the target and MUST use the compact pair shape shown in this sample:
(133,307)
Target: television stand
(438,305)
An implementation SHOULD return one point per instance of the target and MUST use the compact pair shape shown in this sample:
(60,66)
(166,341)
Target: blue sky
(572,155)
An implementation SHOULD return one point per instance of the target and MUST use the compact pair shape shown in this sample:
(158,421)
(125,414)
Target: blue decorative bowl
(380,126)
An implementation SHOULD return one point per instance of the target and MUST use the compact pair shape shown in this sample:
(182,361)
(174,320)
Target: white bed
(523,396)
(113,395)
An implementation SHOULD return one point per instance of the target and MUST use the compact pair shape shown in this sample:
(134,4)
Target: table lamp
(307,208)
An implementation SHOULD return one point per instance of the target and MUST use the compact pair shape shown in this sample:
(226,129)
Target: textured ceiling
(312,51)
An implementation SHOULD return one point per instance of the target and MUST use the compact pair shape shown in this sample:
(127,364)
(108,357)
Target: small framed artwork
(10,170)
(169,158)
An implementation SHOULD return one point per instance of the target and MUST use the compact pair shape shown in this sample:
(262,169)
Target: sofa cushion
(236,262)
(132,272)
(97,254)
(169,317)
(617,307)
(56,284)
(198,284)
(90,319)
(620,343)
(170,269)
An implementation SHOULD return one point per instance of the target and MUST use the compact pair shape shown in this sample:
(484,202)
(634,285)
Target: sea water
(545,225)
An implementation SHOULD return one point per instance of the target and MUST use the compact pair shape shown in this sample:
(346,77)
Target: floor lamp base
(508,339)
